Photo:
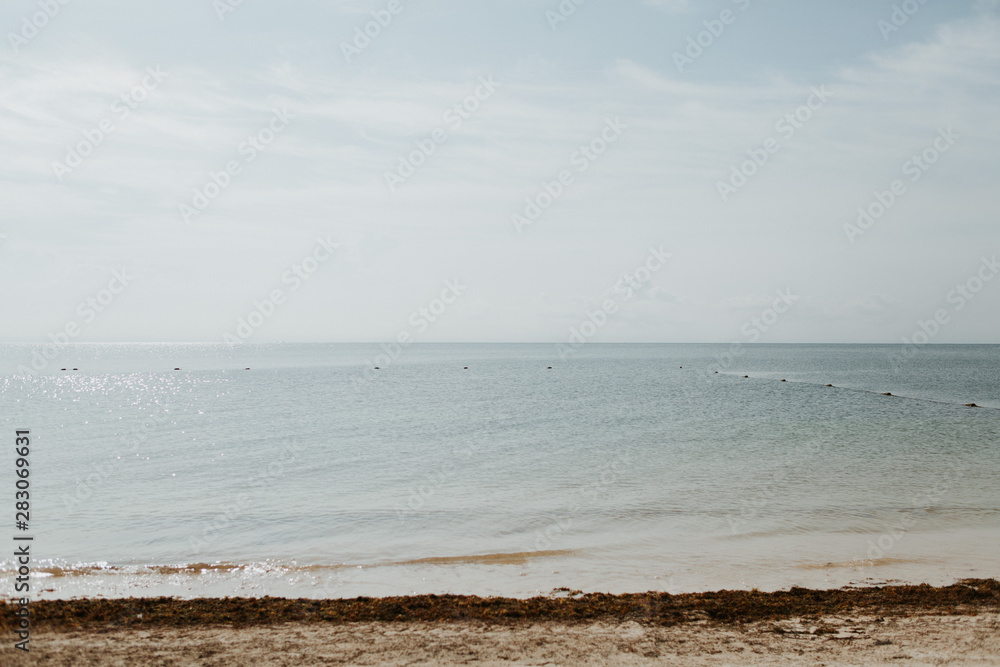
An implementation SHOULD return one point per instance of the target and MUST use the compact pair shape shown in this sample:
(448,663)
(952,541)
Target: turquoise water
(623,468)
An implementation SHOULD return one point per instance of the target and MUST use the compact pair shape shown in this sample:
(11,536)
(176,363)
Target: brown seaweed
(969,596)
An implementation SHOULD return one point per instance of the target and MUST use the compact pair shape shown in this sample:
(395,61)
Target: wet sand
(957,624)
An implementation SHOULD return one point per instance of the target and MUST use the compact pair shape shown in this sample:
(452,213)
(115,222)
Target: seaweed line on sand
(969,596)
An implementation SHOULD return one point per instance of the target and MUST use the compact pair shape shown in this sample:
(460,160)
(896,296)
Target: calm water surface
(623,468)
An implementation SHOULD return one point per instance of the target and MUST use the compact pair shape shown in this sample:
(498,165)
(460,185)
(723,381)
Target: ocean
(299,470)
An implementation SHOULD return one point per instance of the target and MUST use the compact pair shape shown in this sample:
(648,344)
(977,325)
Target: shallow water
(313,475)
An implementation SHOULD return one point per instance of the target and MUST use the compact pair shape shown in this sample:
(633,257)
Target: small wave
(88,569)
(864,562)
(518,558)
(198,569)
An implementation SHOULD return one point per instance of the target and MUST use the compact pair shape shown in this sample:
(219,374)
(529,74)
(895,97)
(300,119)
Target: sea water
(300,470)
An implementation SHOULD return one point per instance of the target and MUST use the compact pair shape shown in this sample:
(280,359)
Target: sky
(520,171)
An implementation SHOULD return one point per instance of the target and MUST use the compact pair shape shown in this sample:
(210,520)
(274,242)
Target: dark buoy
(716,372)
(682,367)
(465,368)
(247,369)
(377,368)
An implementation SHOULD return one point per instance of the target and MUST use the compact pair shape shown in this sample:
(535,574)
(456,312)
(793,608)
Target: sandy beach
(909,625)
(919,640)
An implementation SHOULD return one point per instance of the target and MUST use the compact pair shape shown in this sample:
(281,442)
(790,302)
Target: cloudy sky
(421,150)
